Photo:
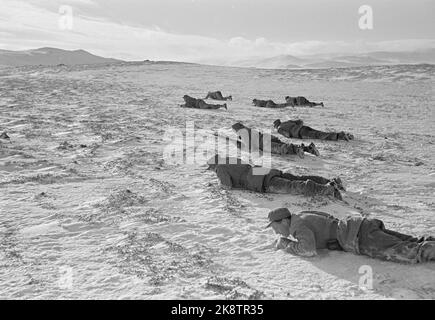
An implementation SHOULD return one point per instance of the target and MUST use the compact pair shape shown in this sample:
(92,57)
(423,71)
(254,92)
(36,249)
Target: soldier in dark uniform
(200,104)
(296,129)
(301,102)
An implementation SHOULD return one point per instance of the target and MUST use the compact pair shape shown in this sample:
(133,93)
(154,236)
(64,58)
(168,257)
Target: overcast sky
(200,30)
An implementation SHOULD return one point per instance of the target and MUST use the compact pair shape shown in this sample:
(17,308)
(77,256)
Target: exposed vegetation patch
(233,288)
(158,260)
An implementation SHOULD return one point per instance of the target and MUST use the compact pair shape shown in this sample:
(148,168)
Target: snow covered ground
(89,208)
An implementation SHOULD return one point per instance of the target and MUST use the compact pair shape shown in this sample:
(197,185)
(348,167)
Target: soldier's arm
(305,245)
(281,105)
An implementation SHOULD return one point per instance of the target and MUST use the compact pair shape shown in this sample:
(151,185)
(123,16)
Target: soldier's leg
(271,104)
(316,179)
(203,105)
(315,104)
(281,105)
(308,187)
(276,147)
(376,243)
(295,149)
(279,147)
(290,148)
(310,133)
(401,236)
(210,106)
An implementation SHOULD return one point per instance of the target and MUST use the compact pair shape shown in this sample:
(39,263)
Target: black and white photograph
(217,150)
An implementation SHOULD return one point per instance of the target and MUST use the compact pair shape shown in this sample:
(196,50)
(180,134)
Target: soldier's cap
(277,215)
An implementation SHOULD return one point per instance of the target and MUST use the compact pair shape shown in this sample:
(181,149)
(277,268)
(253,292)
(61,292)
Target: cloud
(25,25)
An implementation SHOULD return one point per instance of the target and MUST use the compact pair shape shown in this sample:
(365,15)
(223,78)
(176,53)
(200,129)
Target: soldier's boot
(338,183)
(426,252)
(426,238)
(311,149)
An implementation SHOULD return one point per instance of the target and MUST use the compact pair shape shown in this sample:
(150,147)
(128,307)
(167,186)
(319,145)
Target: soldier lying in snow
(200,104)
(217,95)
(255,140)
(268,104)
(315,230)
(296,129)
(301,102)
(239,175)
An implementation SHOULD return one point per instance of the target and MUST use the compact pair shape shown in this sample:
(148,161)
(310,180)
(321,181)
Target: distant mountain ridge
(53,56)
(337,61)
(50,56)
